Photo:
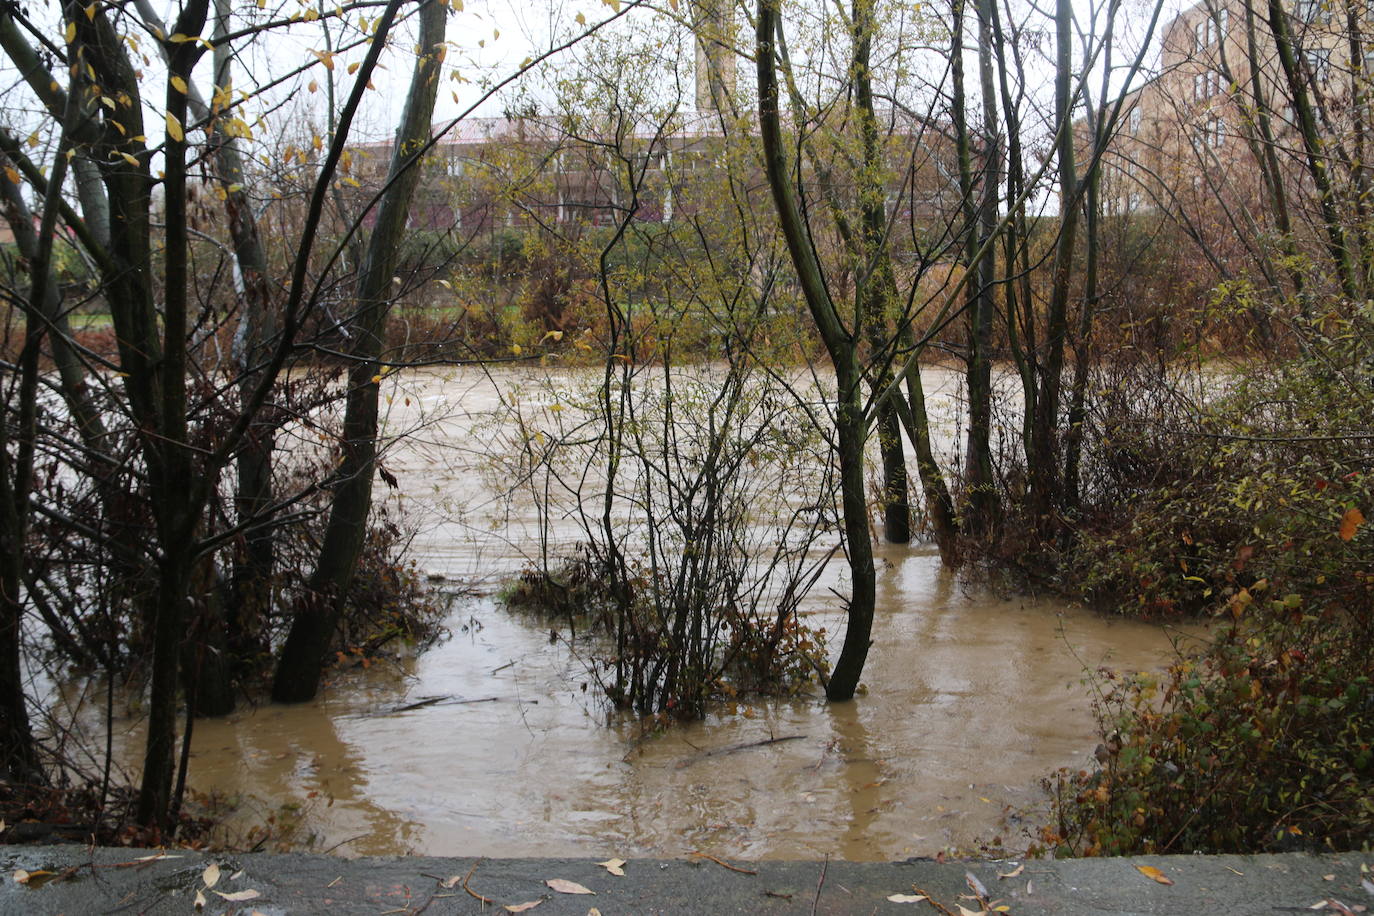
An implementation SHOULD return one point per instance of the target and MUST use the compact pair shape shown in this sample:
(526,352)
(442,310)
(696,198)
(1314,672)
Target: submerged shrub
(1263,740)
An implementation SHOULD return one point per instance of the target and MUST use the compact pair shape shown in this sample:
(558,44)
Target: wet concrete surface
(84,881)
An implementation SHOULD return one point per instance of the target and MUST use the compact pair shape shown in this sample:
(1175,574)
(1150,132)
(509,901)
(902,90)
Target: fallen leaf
(975,885)
(1328,877)
(1014,872)
(965,911)
(21,876)
(567,887)
(211,875)
(1350,523)
(522,907)
(239,896)
(593,912)
(1154,874)
(906,898)
(450,883)
(614,866)
(200,900)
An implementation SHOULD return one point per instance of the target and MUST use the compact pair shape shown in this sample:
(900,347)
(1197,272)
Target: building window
(1216,133)
(1135,119)
(1319,64)
(1208,30)
(1206,84)
(1313,10)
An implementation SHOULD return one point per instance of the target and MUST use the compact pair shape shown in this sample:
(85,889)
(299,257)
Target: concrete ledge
(85,881)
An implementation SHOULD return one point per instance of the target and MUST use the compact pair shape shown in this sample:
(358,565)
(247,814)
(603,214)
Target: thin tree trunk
(877,284)
(842,346)
(1316,159)
(1042,460)
(980,491)
(302,659)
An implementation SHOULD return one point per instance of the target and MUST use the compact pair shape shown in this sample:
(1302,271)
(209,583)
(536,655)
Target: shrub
(1263,740)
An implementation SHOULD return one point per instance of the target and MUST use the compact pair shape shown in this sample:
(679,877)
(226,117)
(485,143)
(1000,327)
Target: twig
(932,901)
(723,864)
(343,843)
(486,900)
(688,761)
(816,901)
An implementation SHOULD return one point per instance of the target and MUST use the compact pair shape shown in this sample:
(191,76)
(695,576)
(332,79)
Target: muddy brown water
(973,697)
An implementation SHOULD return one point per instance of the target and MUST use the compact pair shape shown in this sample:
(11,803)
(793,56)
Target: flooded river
(972,698)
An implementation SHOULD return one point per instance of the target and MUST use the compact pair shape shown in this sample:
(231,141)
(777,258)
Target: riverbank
(80,880)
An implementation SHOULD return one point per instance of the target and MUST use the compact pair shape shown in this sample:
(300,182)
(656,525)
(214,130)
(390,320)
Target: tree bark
(302,659)
(842,346)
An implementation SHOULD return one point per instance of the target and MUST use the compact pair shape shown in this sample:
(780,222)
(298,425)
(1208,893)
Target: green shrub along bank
(1263,740)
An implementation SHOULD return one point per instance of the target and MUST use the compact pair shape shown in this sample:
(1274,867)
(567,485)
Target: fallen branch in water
(723,864)
(422,704)
(688,761)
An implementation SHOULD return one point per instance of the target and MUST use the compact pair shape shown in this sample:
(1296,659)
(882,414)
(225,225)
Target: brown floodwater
(972,698)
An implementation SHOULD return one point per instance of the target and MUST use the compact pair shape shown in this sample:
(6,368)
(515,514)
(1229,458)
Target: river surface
(972,698)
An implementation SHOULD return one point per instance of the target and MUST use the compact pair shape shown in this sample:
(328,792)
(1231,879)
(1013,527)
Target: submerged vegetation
(1263,739)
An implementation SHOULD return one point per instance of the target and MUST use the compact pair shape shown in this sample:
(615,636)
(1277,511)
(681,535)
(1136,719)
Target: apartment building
(1195,132)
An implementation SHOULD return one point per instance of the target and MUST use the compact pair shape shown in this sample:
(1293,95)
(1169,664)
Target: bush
(1264,740)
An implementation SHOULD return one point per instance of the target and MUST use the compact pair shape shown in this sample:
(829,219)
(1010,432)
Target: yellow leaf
(71,32)
(130,159)
(12,174)
(613,4)
(1350,523)
(174,128)
(516,349)
(580,19)
(614,866)
(178,84)
(353,68)
(90,12)
(564,886)
(179,39)
(1154,874)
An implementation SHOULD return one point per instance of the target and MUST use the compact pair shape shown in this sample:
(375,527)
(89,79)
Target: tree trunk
(842,346)
(1042,461)
(301,663)
(981,221)
(877,285)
